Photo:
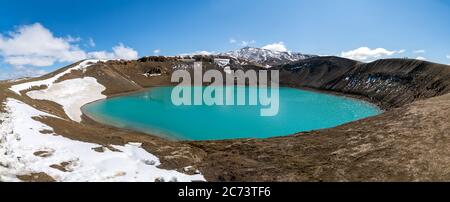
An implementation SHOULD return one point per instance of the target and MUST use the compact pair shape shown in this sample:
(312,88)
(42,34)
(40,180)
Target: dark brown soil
(36,177)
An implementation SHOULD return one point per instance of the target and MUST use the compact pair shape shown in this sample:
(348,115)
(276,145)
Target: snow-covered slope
(25,149)
(50,81)
(265,57)
(71,94)
(29,146)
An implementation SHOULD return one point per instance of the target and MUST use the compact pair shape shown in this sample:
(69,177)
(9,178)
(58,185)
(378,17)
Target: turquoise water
(153,112)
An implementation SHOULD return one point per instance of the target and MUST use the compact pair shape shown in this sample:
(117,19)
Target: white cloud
(421,58)
(119,52)
(241,43)
(419,51)
(91,42)
(72,39)
(448,56)
(247,43)
(280,47)
(367,54)
(123,52)
(30,71)
(203,53)
(36,46)
(38,61)
(401,51)
(103,55)
(156,52)
(21,71)
(199,53)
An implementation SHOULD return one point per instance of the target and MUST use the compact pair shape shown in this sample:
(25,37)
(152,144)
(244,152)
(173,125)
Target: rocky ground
(403,144)
(406,143)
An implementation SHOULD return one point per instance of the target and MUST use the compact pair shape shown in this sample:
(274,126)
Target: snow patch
(71,95)
(50,81)
(20,139)
(227,70)
(263,56)
(182,66)
(222,62)
(152,75)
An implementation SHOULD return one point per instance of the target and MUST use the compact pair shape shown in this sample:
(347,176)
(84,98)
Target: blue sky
(399,28)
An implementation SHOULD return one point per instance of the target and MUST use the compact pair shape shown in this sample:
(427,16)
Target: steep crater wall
(390,82)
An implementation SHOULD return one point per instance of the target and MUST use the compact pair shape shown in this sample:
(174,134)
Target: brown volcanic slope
(409,142)
(391,83)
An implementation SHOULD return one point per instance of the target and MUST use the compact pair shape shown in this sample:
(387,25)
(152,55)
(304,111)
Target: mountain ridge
(266,57)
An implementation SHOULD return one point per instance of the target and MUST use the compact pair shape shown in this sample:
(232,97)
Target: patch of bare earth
(36,177)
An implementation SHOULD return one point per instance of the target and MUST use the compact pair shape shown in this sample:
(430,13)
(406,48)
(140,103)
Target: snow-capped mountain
(265,57)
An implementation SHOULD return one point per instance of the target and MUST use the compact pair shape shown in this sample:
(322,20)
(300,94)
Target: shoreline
(167,137)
